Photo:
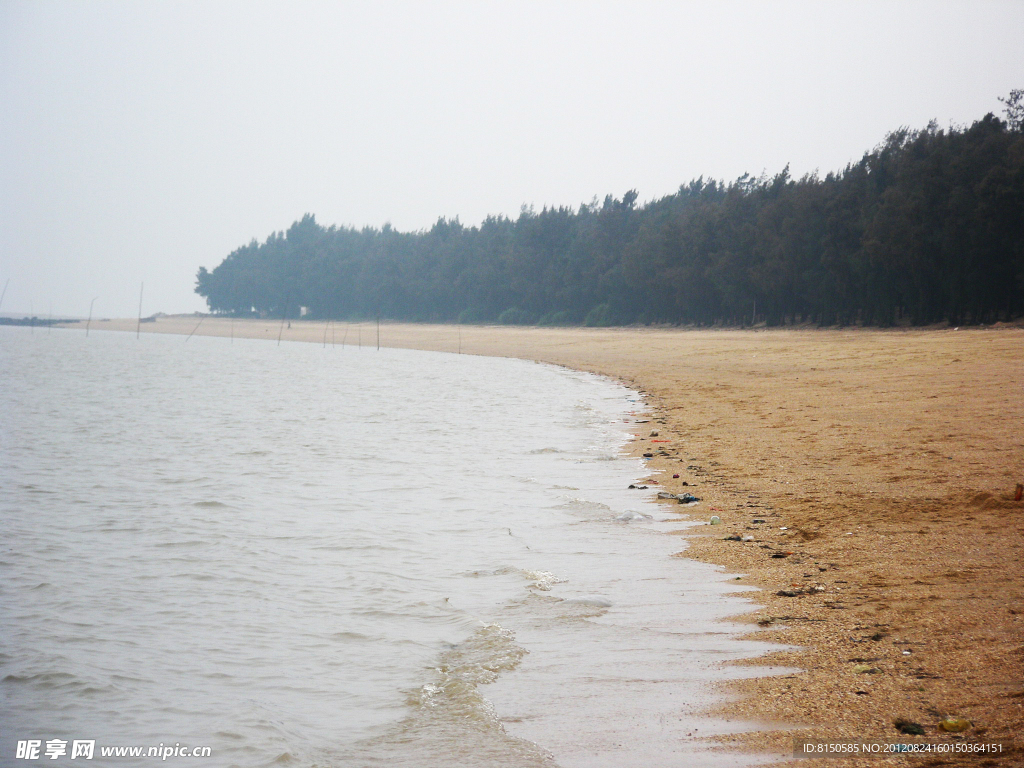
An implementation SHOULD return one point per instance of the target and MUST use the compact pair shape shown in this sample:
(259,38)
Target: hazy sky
(140,140)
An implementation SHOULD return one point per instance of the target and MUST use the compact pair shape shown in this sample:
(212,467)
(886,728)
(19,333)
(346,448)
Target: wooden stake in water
(89,321)
(284,317)
(197,327)
(378,333)
(138,325)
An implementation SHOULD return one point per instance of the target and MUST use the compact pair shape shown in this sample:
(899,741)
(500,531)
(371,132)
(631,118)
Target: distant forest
(925,228)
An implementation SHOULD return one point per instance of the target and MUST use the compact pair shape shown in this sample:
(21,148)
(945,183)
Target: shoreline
(883,464)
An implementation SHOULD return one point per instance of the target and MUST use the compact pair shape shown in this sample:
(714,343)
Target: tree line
(926,227)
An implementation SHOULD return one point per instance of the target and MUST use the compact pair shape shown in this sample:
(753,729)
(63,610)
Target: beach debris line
(810,589)
(687,498)
(908,727)
(682,498)
(954,725)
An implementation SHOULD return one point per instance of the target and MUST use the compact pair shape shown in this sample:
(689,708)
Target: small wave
(582,505)
(36,489)
(590,601)
(209,504)
(350,636)
(502,571)
(451,718)
(562,609)
(176,544)
(543,580)
(477,661)
(48,680)
(630,516)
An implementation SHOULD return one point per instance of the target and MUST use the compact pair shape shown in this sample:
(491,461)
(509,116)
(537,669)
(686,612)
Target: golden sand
(883,464)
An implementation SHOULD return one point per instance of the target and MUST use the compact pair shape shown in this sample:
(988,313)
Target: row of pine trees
(927,227)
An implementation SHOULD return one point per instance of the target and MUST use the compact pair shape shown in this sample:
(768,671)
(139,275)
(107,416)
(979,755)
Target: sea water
(313,555)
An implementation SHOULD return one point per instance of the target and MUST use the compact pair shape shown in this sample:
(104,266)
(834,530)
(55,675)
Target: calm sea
(307,556)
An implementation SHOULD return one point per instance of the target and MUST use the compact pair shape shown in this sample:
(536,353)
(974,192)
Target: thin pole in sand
(345,335)
(196,328)
(138,325)
(4,293)
(284,317)
(378,333)
(359,335)
(332,333)
(326,324)
(89,321)
(460,339)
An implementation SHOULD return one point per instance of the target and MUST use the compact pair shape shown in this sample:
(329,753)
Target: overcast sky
(140,140)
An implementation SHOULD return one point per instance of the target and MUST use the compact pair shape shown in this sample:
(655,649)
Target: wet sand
(882,466)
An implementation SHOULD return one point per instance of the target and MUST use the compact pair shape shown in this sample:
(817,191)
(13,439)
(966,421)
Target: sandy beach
(873,473)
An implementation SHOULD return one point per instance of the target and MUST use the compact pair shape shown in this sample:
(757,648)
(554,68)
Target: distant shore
(883,464)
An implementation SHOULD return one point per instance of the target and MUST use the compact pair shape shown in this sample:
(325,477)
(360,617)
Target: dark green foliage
(927,227)
(561,318)
(516,316)
(473,315)
(600,316)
